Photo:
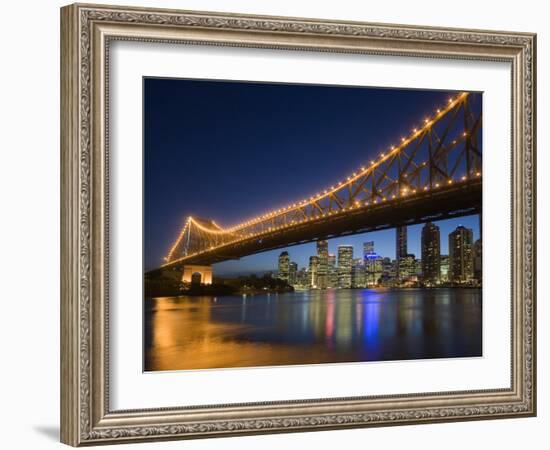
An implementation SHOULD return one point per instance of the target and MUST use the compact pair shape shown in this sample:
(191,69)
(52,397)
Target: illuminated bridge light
(283,218)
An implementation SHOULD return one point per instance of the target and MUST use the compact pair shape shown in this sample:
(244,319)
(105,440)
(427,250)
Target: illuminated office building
(431,252)
(332,271)
(284,265)
(461,257)
(358,273)
(292,273)
(313,271)
(400,248)
(322,271)
(345,261)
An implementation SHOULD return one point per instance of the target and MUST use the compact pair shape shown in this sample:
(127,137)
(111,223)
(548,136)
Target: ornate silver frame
(86,31)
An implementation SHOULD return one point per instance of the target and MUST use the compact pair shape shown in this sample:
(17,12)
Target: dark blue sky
(232,150)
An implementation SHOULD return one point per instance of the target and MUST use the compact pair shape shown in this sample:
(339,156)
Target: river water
(311,327)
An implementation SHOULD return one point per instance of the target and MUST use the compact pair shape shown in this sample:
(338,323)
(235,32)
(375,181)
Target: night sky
(229,151)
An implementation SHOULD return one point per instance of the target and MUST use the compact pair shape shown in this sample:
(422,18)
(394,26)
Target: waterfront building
(302,277)
(368,249)
(322,271)
(374,269)
(358,273)
(461,258)
(283,269)
(345,259)
(313,271)
(478,268)
(292,273)
(406,268)
(444,268)
(400,247)
(418,268)
(388,271)
(431,252)
(332,271)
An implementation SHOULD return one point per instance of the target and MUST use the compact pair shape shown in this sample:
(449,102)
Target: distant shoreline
(206,291)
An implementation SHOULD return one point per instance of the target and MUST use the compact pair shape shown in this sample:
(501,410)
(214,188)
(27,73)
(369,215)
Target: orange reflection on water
(310,328)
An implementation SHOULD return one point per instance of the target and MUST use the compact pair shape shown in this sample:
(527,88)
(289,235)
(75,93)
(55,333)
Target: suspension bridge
(433,173)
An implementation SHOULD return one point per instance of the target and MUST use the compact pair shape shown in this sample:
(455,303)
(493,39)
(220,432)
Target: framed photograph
(275,224)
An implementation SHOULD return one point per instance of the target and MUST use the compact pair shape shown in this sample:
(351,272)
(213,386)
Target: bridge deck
(448,202)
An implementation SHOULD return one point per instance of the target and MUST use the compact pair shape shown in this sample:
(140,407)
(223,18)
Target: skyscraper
(461,258)
(374,269)
(478,272)
(406,267)
(400,242)
(313,271)
(388,271)
(332,271)
(292,273)
(368,249)
(322,273)
(302,277)
(400,247)
(444,268)
(345,258)
(358,273)
(431,251)
(284,262)
(373,264)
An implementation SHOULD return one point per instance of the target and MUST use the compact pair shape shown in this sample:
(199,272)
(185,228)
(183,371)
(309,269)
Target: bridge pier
(193,273)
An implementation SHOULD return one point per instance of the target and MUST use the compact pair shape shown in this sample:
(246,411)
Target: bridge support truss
(433,172)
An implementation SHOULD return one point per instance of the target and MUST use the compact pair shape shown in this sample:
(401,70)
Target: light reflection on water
(311,327)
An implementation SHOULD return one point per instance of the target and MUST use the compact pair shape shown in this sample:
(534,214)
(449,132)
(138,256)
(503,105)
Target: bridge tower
(193,273)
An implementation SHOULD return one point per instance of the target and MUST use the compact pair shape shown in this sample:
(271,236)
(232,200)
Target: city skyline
(384,245)
(344,270)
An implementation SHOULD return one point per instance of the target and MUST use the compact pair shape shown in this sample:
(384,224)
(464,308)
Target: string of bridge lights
(428,122)
(191,221)
(364,170)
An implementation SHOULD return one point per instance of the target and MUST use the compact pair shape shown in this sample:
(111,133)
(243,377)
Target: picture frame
(87,31)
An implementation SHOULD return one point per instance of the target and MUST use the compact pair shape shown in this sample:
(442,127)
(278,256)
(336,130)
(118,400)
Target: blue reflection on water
(311,327)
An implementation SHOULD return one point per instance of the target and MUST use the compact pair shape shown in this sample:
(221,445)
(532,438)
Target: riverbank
(160,286)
